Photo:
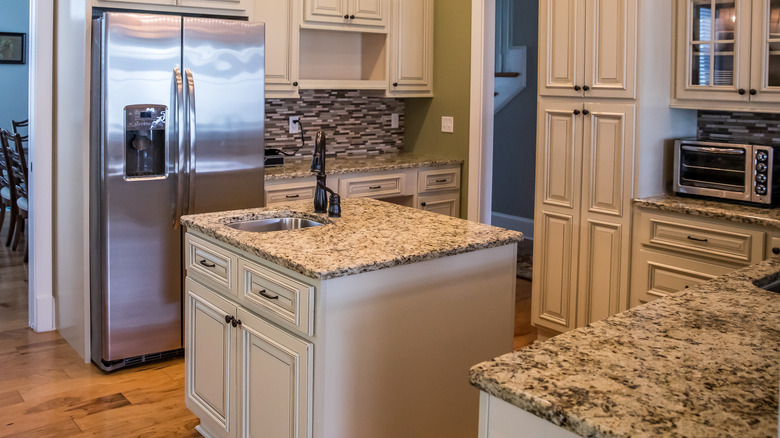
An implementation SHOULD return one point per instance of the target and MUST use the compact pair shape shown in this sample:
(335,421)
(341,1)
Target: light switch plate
(293,125)
(394,120)
(447,124)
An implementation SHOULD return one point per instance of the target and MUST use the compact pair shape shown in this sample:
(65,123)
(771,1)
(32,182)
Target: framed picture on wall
(11,48)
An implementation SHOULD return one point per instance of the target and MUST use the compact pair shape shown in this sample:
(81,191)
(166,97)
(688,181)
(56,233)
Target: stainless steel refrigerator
(177,128)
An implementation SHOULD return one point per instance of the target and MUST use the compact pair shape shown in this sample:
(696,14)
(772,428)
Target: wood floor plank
(10,398)
(65,428)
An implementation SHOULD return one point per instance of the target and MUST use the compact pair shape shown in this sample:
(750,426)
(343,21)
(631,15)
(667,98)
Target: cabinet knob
(753,91)
(395,84)
(346,17)
(295,84)
(577,88)
(585,112)
(228,318)
(423,204)
(576,112)
(742,91)
(351,17)
(586,88)
(775,250)
(235,322)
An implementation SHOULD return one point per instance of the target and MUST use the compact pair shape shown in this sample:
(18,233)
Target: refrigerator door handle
(179,139)
(190,139)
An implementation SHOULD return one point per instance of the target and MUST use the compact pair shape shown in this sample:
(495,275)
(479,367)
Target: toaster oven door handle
(729,151)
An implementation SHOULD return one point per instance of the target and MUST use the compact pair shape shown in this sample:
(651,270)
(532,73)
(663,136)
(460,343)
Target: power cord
(287,154)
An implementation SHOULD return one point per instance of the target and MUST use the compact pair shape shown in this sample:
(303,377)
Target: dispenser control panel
(145,156)
(146,116)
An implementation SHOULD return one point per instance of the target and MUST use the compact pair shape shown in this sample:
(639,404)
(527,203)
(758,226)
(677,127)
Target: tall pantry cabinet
(603,119)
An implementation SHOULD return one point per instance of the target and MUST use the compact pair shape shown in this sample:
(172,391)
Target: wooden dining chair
(8,185)
(18,164)
(23,124)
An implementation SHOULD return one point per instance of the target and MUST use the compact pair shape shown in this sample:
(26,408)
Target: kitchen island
(364,326)
(703,362)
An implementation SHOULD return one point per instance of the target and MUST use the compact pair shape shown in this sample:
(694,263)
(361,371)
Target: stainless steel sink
(274,224)
(771,287)
(770,283)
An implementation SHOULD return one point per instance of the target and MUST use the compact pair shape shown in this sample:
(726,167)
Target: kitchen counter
(301,167)
(703,362)
(714,209)
(371,235)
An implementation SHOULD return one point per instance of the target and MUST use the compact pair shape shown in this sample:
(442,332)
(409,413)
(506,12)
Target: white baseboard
(517,223)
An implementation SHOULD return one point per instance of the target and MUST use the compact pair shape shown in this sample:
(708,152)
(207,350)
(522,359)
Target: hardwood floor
(46,390)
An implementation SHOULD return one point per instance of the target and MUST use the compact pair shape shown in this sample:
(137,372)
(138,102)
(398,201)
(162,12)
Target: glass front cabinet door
(728,51)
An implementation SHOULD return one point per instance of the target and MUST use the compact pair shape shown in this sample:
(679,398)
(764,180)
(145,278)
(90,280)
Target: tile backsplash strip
(354,123)
(738,127)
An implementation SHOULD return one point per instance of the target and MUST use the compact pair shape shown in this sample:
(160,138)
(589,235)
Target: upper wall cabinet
(281,45)
(727,55)
(222,7)
(411,49)
(349,15)
(587,48)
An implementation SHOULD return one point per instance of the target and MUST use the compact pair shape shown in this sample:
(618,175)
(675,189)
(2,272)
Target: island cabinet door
(209,359)
(275,380)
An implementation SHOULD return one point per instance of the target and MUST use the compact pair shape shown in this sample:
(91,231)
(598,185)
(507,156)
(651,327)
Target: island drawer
(210,263)
(289,192)
(701,238)
(276,296)
(437,180)
(374,186)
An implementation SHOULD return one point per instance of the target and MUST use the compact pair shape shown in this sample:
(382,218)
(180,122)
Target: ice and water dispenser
(145,141)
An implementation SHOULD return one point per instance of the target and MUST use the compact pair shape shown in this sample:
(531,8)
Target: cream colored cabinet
(230,7)
(675,251)
(349,15)
(411,48)
(246,375)
(587,48)
(585,156)
(727,55)
(281,18)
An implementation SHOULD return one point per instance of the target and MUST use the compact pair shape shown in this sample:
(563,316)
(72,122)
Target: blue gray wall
(14,17)
(514,135)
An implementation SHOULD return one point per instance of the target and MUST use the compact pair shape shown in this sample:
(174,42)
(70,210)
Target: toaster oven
(737,172)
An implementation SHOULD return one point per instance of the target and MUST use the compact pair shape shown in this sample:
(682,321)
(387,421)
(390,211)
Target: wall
(355,123)
(514,135)
(15,17)
(750,128)
(451,87)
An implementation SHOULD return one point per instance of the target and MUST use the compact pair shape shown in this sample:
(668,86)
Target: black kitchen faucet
(318,167)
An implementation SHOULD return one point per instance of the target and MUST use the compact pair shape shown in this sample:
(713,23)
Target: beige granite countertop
(715,209)
(296,167)
(700,363)
(370,235)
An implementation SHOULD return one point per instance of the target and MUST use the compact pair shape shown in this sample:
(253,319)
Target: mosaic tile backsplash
(737,127)
(354,123)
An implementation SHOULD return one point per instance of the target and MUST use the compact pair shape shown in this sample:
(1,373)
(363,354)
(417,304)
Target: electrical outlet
(394,120)
(293,125)
(447,124)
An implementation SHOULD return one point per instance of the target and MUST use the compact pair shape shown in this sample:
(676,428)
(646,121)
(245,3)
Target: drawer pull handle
(207,264)
(441,180)
(696,239)
(267,296)
(375,187)
(292,196)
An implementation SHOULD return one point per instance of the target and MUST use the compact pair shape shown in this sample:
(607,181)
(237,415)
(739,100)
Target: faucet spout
(318,167)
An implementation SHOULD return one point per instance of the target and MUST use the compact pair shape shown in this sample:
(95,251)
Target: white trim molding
(517,223)
(480,185)
(40,98)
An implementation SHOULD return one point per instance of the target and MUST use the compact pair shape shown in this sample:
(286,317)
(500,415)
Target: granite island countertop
(715,209)
(370,235)
(298,167)
(699,363)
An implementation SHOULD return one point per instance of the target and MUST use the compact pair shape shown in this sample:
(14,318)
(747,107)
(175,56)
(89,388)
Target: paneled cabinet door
(587,48)
(607,163)
(765,59)
(209,365)
(275,381)
(446,203)
(411,48)
(281,45)
(239,5)
(713,50)
(370,14)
